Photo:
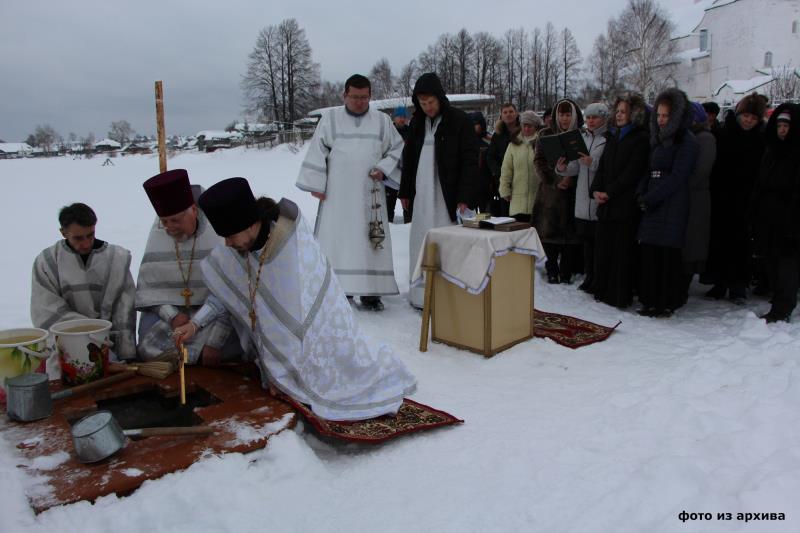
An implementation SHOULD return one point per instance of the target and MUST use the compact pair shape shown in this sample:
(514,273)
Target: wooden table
(483,294)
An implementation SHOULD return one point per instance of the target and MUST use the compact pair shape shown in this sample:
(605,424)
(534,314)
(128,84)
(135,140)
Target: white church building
(739,46)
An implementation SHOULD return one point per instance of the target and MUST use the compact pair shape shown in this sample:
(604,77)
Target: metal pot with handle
(99,436)
(29,398)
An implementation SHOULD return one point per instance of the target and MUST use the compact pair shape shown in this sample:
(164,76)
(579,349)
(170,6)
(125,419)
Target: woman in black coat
(623,163)
(775,216)
(663,196)
(740,147)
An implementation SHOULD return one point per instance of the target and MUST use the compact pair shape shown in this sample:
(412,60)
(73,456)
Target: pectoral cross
(253,319)
(187,295)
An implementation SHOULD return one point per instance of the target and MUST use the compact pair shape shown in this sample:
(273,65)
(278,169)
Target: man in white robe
(440,168)
(353,155)
(287,306)
(84,277)
(170,287)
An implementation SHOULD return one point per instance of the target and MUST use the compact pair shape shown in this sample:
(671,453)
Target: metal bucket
(28,397)
(22,350)
(97,437)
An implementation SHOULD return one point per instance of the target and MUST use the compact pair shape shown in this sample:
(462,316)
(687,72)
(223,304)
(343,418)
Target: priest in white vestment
(170,288)
(84,277)
(290,311)
(440,168)
(354,154)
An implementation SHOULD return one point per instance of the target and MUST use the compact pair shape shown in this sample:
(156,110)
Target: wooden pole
(183,358)
(430,265)
(162,143)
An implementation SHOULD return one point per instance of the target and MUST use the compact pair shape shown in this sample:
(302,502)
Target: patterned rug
(411,417)
(569,331)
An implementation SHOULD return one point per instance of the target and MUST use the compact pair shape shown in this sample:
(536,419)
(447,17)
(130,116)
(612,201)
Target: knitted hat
(699,113)
(755,104)
(530,118)
(169,192)
(230,206)
(400,111)
(784,117)
(596,110)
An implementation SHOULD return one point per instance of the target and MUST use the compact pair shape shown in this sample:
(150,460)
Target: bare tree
(46,137)
(88,142)
(487,51)
(570,62)
(407,77)
(329,94)
(463,49)
(607,62)
(381,79)
(651,51)
(785,85)
(31,140)
(281,79)
(121,131)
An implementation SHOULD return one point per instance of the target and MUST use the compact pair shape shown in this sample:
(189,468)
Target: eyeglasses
(358,98)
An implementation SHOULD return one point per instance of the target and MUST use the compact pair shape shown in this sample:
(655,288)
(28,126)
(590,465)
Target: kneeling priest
(288,308)
(170,288)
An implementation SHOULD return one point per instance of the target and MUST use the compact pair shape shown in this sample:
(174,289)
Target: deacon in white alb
(170,288)
(355,152)
(84,277)
(287,306)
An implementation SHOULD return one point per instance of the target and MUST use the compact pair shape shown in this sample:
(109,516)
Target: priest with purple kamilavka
(170,287)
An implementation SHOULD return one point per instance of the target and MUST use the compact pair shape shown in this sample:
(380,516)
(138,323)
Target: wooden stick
(157,432)
(80,389)
(430,265)
(182,360)
(162,143)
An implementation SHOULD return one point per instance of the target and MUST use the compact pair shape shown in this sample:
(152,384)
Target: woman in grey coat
(698,225)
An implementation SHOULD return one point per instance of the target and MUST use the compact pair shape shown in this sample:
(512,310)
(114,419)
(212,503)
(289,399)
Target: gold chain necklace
(186,292)
(253,289)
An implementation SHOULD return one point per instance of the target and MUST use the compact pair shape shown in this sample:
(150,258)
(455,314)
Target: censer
(376,231)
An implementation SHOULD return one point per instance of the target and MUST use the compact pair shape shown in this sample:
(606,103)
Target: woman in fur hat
(663,197)
(623,163)
(776,209)
(739,150)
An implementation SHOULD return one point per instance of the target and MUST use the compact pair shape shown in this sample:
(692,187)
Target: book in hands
(568,145)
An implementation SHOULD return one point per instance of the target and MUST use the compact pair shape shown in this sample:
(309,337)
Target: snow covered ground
(699,412)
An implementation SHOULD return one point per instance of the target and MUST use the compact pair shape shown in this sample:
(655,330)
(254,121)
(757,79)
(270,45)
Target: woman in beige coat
(519,180)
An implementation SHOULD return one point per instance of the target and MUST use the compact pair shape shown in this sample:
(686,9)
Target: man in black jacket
(504,130)
(440,166)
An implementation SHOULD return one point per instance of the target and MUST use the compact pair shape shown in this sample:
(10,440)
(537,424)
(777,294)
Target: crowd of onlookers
(663,193)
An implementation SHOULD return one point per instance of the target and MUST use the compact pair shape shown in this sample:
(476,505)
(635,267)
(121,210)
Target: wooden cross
(187,294)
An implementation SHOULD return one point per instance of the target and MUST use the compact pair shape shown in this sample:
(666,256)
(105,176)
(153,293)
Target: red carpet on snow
(411,417)
(569,331)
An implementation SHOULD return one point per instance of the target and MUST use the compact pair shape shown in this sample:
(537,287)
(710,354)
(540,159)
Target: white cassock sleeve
(392,151)
(313,175)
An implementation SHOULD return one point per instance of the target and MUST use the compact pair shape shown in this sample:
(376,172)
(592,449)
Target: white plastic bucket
(82,349)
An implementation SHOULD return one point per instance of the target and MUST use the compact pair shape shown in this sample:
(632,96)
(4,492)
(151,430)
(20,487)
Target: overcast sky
(79,65)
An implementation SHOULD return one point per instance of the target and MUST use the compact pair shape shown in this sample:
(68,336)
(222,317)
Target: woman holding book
(554,208)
